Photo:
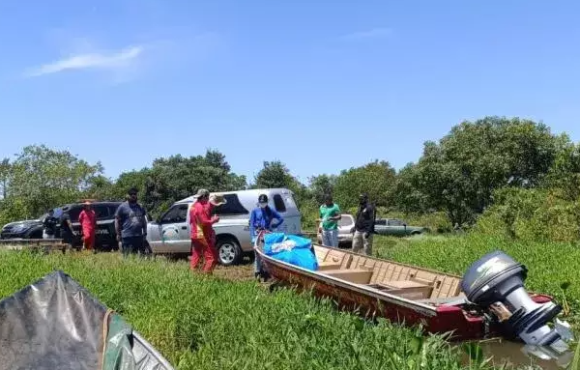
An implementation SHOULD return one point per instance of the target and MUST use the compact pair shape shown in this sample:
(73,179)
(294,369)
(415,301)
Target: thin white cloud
(111,61)
(374,33)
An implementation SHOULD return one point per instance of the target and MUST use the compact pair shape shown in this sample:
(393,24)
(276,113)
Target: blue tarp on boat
(292,249)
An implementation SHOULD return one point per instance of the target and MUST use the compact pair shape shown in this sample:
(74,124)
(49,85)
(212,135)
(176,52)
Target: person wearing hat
(261,219)
(88,223)
(202,233)
(131,225)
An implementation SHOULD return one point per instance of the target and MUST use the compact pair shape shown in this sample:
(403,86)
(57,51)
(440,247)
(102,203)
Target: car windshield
(57,212)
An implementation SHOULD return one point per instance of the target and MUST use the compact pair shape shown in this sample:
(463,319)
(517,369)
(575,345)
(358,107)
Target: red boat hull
(455,321)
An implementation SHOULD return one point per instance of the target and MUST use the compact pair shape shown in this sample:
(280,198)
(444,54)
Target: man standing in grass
(202,233)
(131,225)
(329,217)
(88,221)
(66,228)
(364,227)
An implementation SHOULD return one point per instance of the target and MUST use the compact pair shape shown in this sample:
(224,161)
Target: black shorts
(66,238)
(133,244)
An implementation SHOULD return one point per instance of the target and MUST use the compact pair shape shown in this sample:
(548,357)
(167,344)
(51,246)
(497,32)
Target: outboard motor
(496,282)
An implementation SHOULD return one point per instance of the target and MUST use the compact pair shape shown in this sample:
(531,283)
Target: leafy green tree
(565,172)
(408,195)
(538,214)
(275,174)
(461,172)
(177,177)
(376,178)
(101,188)
(43,178)
(321,185)
(5,172)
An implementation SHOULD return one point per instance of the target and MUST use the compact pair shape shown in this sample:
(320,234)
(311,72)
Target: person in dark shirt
(49,225)
(66,229)
(364,226)
(131,225)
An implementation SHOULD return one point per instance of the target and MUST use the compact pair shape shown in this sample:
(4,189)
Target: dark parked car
(106,237)
(25,229)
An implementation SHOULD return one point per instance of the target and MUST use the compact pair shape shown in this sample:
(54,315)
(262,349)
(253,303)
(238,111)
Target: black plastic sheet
(55,323)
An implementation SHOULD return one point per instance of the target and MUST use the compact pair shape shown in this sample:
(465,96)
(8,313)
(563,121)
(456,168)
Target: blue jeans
(330,238)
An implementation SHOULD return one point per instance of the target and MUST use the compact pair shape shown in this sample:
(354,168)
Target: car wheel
(34,234)
(229,251)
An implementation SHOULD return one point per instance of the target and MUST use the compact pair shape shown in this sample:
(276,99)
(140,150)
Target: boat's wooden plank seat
(408,288)
(447,287)
(357,276)
(323,266)
(320,253)
(416,282)
(405,289)
(332,258)
(385,273)
(460,299)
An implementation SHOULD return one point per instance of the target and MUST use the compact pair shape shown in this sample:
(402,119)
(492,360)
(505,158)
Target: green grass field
(211,323)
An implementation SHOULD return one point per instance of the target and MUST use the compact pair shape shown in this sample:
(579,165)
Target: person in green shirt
(329,216)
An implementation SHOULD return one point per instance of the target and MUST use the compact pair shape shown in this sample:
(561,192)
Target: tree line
(500,175)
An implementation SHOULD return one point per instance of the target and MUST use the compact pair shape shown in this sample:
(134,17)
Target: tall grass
(207,323)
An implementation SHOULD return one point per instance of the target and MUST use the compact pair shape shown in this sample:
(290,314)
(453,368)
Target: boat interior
(420,285)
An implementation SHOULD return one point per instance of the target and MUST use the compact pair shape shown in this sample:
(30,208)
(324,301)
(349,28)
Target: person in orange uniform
(202,233)
(88,221)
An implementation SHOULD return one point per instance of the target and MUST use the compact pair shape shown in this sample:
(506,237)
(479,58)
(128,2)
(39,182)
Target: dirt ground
(241,272)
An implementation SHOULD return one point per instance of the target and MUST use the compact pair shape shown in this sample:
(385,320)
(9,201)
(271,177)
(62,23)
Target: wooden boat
(402,293)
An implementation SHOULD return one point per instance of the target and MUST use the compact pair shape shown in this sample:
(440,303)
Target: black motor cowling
(496,282)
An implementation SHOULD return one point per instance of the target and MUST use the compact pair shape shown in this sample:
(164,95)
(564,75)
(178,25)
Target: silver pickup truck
(170,233)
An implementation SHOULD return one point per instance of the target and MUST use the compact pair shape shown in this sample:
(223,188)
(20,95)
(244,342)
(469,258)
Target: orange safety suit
(88,221)
(202,236)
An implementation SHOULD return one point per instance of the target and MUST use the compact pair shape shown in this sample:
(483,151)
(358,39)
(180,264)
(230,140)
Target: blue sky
(320,85)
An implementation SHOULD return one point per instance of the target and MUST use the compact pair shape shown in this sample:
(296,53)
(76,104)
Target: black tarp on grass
(55,323)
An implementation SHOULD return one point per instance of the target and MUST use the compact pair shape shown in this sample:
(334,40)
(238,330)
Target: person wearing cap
(364,226)
(88,223)
(261,219)
(329,215)
(131,225)
(202,233)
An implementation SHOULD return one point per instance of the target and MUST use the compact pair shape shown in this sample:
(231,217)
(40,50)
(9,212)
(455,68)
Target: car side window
(74,213)
(101,212)
(381,222)
(175,214)
(279,203)
(232,207)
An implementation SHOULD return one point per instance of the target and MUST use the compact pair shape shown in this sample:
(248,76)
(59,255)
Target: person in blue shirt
(261,219)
